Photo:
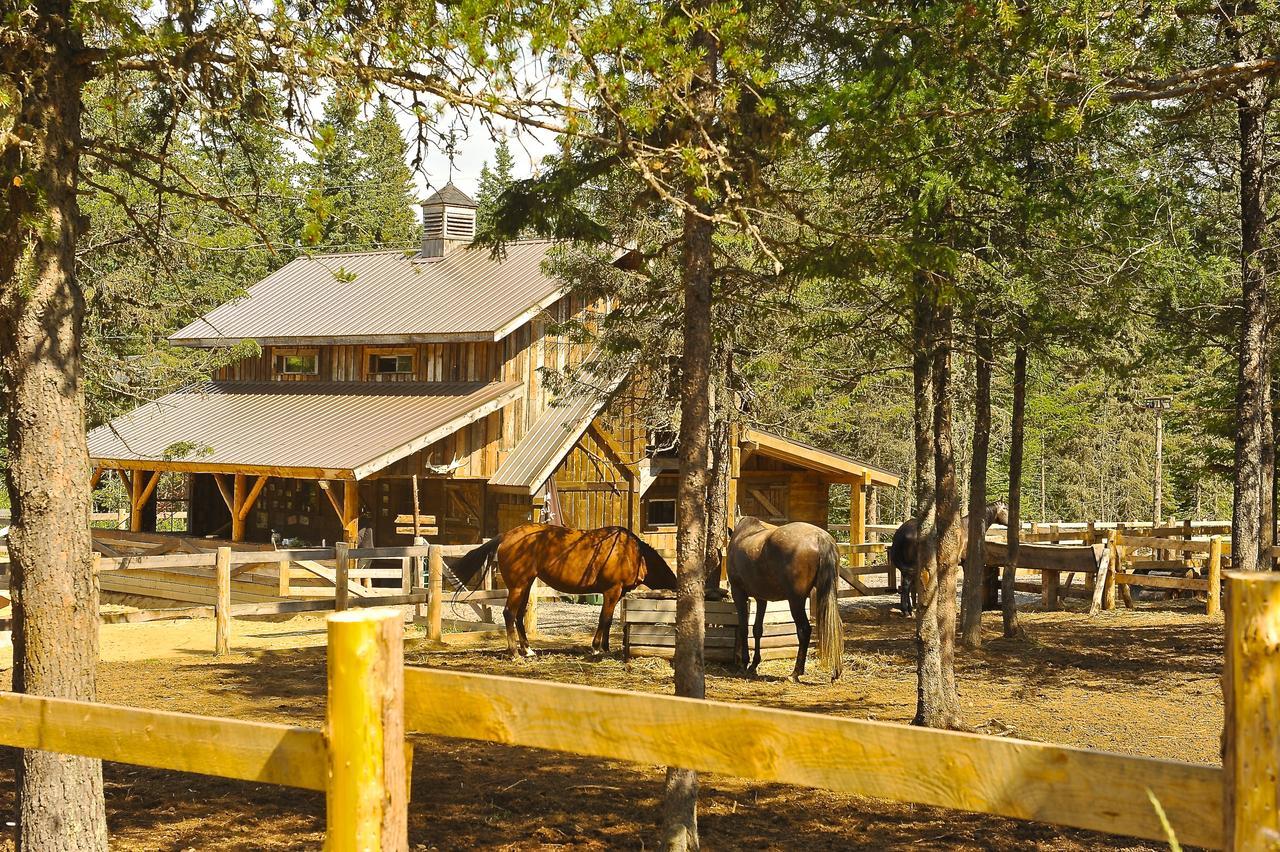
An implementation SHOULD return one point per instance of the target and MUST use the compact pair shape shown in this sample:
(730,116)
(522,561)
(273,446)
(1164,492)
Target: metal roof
(452,196)
(386,296)
(814,458)
(338,429)
(543,447)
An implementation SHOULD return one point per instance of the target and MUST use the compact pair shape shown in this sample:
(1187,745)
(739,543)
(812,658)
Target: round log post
(367,794)
(419,573)
(1251,719)
(435,590)
(531,611)
(222,602)
(341,581)
(1109,593)
(1213,600)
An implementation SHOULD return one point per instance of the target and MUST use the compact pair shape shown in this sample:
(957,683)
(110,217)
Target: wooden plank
(146,615)
(425,520)
(418,531)
(228,748)
(1157,581)
(1024,780)
(175,560)
(287,607)
(388,552)
(1132,541)
(1080,558)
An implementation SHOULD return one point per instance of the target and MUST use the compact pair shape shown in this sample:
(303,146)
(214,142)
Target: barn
(392,387)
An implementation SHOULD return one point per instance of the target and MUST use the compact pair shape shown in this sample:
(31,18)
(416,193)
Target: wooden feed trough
(648,629)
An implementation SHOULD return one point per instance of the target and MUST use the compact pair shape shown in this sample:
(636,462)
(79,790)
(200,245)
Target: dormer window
(296,362)
(389,363)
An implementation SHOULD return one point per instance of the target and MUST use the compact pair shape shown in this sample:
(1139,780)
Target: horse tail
(657,572)
(830,628)
(468,567)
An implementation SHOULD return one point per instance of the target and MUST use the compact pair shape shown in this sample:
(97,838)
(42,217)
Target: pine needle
(1164,822)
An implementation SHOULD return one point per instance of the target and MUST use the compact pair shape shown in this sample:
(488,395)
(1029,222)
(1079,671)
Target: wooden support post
(1126,593)
(531,611)
(858,520)
(417,511)
(222,602)
(435,590)
(419,574)
(1049,587)
(285,578)
(237,500)
(1251,719)
(340,576)
(1213,600)
(366,798)
(1109,592)
(135,492)
(351,510)
(97,477)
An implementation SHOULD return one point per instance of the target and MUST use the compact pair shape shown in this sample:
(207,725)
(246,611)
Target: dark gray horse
(771,563)
(906,538)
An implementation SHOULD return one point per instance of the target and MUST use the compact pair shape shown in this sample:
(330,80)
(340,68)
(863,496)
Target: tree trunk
(945,712)
(719,512)
(680,796)
(1008,601)
(975,568)
(1250,522)
(55,597)
(929,675)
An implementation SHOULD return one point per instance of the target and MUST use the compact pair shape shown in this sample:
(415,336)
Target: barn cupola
(448,221)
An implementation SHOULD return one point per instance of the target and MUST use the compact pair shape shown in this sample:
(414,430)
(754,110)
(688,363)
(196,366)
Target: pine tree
(384,205)
(492,183)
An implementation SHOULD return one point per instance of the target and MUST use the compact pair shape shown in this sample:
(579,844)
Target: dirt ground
(1141,682)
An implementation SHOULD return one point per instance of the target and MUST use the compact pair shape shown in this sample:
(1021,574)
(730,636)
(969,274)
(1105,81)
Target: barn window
(660,513)
(297,362)
(390,364)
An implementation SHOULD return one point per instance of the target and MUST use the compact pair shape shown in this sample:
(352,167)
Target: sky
(473,148)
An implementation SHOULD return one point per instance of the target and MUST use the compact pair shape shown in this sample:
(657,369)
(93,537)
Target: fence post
(419,573)
(285,579)
(222,602)
(341,582)
(531,611)
(435,590)
(366,800)
(1213,600)
(1109,593)
(1251,699)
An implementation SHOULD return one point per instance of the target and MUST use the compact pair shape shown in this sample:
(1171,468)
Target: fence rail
(360,759)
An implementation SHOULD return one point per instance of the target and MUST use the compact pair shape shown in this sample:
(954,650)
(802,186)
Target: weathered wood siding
(594,490)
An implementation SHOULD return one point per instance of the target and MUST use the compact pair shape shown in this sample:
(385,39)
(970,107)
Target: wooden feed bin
(648,629)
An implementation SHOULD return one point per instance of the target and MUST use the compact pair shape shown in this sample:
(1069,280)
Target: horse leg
(600,642)
(611,599)
(804,631)
(906,586)
(518,604)
(509,618)
(758,631)
(741,649)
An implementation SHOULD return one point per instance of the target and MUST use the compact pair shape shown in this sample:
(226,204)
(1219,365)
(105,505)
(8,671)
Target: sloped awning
(527,468)
(837,467)
(329,430)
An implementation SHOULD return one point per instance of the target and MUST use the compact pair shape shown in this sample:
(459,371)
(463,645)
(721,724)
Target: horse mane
(654,562)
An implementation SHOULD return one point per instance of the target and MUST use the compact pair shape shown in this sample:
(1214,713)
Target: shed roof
(386,296)
(837,467)
(540,451)
(340,430)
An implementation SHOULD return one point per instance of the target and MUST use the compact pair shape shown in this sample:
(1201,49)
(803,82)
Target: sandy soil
(1142,682)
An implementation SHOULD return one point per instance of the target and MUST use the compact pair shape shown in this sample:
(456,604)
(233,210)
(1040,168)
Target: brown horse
(771,563)
(611,561)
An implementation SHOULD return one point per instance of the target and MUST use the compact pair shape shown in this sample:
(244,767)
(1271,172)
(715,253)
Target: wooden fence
(360,759)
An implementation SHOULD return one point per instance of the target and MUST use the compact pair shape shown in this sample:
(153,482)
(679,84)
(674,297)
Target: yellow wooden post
(237,501)
(531,612)
(367,794)
(222,602)
(435,590)
(419,578)
(857,520)
(1213,600)
(284,578)
(1251,704)
(341,582)
(1109,592)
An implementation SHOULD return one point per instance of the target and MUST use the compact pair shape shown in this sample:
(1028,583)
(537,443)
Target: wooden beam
(351,511)
(237,500)
(215,467)
(221,481)
(333,501)
(127,481)
(1014,778)
(612,449)
(252,496)
(149,489)
(98,471)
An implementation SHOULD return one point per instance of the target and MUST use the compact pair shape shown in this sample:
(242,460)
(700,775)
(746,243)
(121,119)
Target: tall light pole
(1158,404)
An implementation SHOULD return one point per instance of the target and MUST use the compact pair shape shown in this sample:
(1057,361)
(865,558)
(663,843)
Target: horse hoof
(529,652)
(794,678)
